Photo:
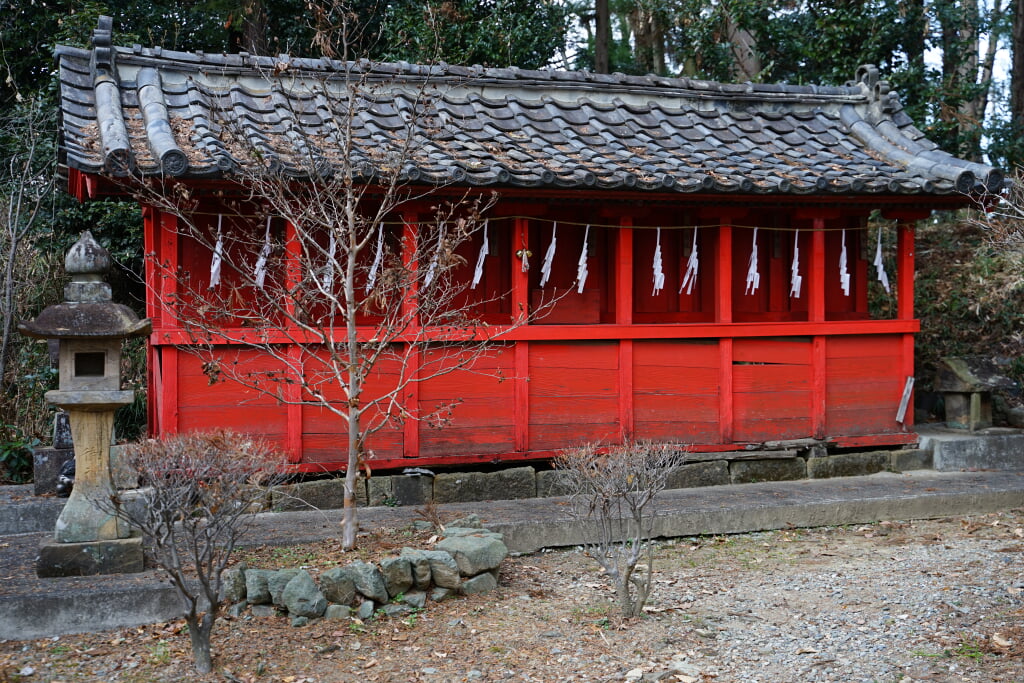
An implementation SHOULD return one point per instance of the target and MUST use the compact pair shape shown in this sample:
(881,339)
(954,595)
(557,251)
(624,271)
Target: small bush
(202,489)
(613,489)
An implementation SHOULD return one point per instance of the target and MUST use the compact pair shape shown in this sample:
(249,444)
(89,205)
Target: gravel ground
(893,601)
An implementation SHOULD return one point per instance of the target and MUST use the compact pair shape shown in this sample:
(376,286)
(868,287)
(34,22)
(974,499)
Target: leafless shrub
(613,489)
(202,490)
(1003,217)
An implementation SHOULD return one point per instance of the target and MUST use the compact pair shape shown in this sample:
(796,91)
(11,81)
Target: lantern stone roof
(87,312)
(194,115)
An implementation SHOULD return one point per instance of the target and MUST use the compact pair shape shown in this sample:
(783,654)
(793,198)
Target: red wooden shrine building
(723,230)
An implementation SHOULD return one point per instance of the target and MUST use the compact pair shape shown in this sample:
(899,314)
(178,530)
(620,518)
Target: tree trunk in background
(987,65)
(650,39)
(960,57)
(603,39)
(249,32)
(746,62)
(1017,64)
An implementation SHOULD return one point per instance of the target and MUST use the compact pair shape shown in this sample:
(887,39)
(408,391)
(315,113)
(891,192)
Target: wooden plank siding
(715,369)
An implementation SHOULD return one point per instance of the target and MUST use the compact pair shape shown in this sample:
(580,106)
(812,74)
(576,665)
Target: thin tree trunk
(1017,64)
(988,64)
(199,634)
(603,39)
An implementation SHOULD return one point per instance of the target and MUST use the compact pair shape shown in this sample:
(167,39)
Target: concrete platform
(33,608)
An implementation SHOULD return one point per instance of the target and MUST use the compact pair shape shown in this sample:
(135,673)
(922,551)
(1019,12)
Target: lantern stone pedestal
(90,537)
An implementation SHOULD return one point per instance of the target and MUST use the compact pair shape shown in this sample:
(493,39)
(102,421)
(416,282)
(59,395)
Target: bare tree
(614,490)
(202,489)
(26,187)
(352,291)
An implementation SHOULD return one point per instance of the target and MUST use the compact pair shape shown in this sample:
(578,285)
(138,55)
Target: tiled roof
(196,115)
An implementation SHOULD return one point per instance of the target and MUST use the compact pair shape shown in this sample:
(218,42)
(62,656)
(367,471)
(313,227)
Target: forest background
(958,67)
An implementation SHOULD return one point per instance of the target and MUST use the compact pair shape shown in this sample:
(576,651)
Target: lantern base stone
(117,556)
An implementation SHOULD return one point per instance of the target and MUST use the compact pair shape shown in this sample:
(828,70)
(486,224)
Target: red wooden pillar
(521,307)
(624,316)
(294,371)
(816,314)
(905,294)
(149,242)
(723,314)
(905,304)
(411,396)
(165,301)
(905,272)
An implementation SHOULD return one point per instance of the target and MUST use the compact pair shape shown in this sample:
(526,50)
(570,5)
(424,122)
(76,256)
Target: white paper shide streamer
(218,254)
(432,268)
(328,274)
(753,276)
(795,278)
(880,265)
(485,249)
(658,273)
(844,275)
(581,267)
(260,272)
(378,256)
(692,266)
(549,256)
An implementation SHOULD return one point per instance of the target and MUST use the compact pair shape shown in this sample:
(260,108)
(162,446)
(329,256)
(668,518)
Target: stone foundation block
(379,491)
(412,489)
(847,464)
(690,475)
(752,471)
(465,487)
(321,494)
(117,556)
(910,459)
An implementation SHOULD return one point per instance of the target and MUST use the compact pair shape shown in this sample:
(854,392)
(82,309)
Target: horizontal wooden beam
(609,332)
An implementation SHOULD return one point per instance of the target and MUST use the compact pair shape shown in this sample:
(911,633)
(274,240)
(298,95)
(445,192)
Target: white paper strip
(218,255)
(432,268)
(844,275)
(692,266)
(753,277)
(378,256)
(549,256)
(581,266)
(659,274)
(328,272)
(485,249)
(880,265)
(795,278)
(260,272)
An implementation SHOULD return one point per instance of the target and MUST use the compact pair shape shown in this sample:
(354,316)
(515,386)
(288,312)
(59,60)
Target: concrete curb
(778,505)
(27,617)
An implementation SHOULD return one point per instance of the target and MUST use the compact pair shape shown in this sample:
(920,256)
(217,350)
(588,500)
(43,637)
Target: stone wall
(464,561)
(705,469)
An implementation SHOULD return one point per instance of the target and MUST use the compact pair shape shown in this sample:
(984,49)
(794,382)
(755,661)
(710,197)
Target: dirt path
(894,601)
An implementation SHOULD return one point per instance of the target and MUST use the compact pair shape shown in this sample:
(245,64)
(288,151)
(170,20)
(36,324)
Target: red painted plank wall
(771,389)
(675,390)
(481,419)
(573,394)
(864,384)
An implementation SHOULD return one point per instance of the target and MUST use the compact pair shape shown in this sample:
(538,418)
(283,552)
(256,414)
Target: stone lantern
(89,327)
